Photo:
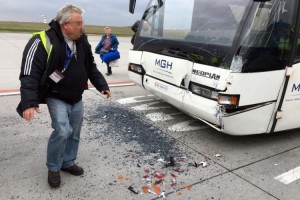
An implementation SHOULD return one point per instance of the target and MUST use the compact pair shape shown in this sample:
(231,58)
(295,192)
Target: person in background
(58,77)
(108,42)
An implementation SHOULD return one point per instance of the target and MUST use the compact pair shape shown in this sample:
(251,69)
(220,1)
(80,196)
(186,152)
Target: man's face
(73,28)
(107,31)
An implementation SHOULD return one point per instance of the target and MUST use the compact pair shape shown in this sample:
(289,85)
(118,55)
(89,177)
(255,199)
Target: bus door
(288,116)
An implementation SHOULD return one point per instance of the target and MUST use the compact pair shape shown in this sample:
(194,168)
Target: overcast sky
(97,12)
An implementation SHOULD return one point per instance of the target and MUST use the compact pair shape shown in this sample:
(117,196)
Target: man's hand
(107,92)
(28,114)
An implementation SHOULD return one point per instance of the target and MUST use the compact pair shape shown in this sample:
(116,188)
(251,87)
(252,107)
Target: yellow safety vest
(46,42)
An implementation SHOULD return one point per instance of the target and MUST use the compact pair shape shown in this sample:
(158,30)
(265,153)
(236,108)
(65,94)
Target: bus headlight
(136,68)
(232,100)
(204,92)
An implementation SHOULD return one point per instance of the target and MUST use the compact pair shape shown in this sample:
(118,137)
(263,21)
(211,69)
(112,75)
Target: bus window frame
(295,54)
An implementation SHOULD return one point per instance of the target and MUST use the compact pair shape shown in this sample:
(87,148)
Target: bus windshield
(230,34)
(203,31)
(201,21)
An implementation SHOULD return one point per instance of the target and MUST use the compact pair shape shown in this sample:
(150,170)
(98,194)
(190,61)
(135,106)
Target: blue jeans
(64,141)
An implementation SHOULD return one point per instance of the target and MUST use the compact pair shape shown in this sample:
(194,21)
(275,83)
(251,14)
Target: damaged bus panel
(234,64)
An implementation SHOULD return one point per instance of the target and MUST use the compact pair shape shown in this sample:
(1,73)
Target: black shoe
(108,74)
(54,179)
(74,170)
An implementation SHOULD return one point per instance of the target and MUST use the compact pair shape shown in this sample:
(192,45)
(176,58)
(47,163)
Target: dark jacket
(35,71)
(113,42)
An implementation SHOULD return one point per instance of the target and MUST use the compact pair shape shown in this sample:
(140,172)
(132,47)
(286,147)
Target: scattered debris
(159,176)
(162,163)
(163,195)
(171,163)
(158,182)
(130,188)
(176,169)
(151,192)
(145,189)
(204,163)
(174,176)
(189,187)
(182,160)
(156,189)
(176,189)
(194,164)
(173,185)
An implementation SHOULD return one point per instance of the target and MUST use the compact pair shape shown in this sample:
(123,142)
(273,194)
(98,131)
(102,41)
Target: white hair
(65,13)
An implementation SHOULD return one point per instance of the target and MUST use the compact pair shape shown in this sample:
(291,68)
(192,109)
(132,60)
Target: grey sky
(97,12)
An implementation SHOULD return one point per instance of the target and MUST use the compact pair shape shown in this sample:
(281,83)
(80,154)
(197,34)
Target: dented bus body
(233,64)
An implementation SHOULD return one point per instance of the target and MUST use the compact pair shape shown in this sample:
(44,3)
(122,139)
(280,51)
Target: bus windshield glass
(241,35)
(203,31)
(202,21)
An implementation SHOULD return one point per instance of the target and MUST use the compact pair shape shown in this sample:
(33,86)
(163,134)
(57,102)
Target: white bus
(233,64)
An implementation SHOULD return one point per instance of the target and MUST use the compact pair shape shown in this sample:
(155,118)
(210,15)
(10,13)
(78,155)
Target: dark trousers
(107,64)
(108,68)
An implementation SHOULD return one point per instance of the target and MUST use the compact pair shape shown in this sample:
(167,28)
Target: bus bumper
(136,78)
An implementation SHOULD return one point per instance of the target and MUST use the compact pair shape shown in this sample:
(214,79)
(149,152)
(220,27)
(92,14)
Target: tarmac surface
(135,142)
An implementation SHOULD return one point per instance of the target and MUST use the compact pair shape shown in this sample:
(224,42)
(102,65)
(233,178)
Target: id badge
(56,76)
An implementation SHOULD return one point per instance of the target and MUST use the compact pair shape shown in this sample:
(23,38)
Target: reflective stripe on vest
(46,42)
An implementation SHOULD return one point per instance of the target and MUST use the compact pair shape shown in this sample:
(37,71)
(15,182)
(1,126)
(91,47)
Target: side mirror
(135,26)
(160,3)
(132,6)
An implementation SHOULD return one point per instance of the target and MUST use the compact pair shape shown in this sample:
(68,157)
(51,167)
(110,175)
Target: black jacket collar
(54,25)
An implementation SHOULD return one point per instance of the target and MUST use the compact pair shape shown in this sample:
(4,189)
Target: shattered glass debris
(161,181)
(145,189)
(156,188)
(130,188)
(189,187)
(161,163)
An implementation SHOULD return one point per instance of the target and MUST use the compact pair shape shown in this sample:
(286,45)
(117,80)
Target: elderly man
(56,66)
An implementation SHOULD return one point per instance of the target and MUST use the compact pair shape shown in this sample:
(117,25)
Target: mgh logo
(296,88)
(164,64)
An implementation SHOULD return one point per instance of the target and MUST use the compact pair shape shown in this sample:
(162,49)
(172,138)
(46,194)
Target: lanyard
(69,55)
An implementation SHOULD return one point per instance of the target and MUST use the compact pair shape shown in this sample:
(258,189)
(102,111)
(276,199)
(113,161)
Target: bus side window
(297,59)
(273,46)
